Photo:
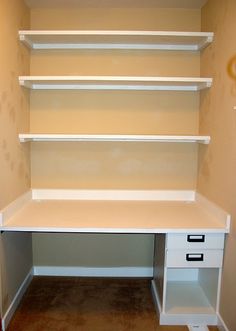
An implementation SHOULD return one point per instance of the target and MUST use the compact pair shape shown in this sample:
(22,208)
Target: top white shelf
(116,83)
(111,39)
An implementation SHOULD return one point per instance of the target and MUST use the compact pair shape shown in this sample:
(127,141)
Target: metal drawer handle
(194,257)
(196,238)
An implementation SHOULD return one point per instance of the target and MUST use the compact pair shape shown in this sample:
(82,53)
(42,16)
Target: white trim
(93,271)
(16,300)
(155,296)
(116,82)
(115,39)
(215,210)
(189,319)
(221,324)
(14,206)
(25,137)
(198,327)
(114,46)
(116,33)
(134,195)
(181,319)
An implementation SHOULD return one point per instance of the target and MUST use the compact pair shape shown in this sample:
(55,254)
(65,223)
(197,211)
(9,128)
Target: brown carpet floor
(88,304)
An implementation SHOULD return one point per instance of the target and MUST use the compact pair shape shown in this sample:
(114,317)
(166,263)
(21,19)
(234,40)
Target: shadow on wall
(231,68)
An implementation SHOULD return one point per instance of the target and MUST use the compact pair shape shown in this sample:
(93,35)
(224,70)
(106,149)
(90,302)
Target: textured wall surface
(14,102)
(15,248)
(217,164)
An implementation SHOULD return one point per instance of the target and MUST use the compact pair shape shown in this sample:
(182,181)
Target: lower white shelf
(187,297)
(24,137)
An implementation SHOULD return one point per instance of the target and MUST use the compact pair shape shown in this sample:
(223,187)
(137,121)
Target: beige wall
(15,249)
(14,103)
(92,250)
(141,17)
(111,165)
(217,164)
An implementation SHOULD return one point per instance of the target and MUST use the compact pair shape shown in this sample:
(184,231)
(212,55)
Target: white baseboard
(155,297)
(93,272)
(15,302)
(221,324)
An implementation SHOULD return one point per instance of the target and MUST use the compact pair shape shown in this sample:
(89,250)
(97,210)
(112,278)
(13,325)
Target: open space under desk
(113,211)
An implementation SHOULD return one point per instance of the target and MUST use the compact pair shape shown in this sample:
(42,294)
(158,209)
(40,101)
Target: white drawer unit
(192,241)
(187,278)
(194,258)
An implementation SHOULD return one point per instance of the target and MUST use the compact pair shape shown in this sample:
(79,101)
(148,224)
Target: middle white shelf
(148,83)
(26,137)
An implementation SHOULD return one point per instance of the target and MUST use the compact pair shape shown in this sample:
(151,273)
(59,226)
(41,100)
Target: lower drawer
(194,258)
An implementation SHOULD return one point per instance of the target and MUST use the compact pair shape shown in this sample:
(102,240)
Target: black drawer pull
(192,238)
(194,257)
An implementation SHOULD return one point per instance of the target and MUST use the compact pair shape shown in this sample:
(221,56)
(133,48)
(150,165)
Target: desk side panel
(158,265)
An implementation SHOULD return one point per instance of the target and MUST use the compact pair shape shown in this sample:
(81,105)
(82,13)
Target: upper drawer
(192,241)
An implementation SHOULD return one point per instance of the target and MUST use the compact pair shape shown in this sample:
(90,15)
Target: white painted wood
(178,258)
(180,241)
(16,301)
(93,272)
(83,211)
(159,266)
(116,83)
(198,328)
(156,297)
(115,195)
(214,209)
(187,298)
(113,39)
(210,281)
(113,217)
(183,319)
(26,137)
(186,303)
(14,207)
(182,274)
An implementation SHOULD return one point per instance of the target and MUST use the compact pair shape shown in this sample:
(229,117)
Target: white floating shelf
(87,39)
(25,137)
(116,83)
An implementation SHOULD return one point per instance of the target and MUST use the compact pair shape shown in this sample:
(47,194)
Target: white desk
(189,238)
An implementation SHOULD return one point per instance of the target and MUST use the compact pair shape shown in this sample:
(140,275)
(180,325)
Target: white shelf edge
(214,209)
(116,83)
(113,195)
(15,206)
(175,41)
(126,230)
(28,137)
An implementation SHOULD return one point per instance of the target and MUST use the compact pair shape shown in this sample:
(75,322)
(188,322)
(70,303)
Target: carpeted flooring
(87,304)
